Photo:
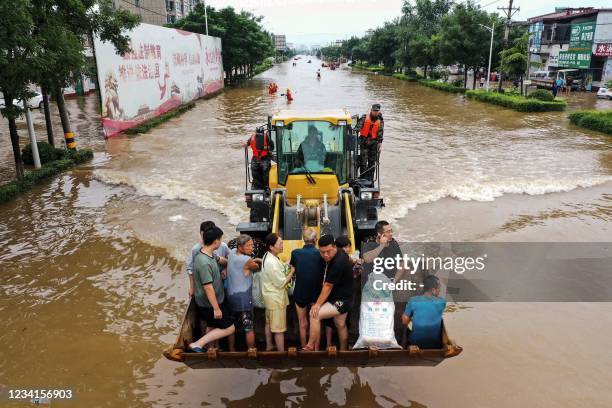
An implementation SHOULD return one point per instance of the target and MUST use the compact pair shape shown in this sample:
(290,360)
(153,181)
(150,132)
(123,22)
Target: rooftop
(330,115)
(567,13)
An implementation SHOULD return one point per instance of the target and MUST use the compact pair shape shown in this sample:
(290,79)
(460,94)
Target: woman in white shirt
(274,280)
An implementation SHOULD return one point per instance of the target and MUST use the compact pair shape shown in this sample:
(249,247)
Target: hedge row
(145,126)
(517,102)
(405,77)
(264,66)
(591,119)
(442,86)
(371,68)
(11,190)
(46,153)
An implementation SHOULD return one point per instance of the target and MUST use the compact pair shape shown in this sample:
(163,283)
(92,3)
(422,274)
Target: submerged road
(93,281)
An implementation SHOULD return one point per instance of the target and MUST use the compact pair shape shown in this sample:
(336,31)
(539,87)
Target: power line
(509,12)
(490,4)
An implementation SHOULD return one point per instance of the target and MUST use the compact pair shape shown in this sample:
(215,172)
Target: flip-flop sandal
(196,349)
(306,348)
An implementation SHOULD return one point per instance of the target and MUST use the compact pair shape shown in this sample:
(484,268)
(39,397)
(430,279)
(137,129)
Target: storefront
(603,54)
(579,40)
(579,55)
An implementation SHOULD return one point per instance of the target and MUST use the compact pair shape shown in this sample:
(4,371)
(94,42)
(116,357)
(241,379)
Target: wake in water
(398,203)
(228,201)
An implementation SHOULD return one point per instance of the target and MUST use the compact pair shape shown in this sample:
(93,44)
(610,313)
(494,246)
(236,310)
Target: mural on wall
(164,69)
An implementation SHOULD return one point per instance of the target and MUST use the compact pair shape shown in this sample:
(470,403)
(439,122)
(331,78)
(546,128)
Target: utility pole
(509,12)
(528,69)
(32,135)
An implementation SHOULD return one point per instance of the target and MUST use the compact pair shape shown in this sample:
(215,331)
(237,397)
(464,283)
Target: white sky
(318,22)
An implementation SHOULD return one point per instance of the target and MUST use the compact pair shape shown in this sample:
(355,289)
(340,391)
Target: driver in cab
(311,153)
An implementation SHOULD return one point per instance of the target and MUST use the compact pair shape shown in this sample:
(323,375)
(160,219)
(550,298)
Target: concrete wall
(603,31)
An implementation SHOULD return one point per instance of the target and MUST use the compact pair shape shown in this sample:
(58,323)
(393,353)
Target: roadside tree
(20,59)
(245,42)
(462,39)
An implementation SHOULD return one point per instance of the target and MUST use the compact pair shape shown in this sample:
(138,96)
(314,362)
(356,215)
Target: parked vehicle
(604,93)
(545,79)
(455,70)
(35,102)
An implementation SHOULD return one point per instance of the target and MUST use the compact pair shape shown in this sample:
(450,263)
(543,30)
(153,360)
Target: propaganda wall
(165,68)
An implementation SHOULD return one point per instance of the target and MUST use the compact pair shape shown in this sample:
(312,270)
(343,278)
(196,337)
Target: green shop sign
(581,37)
(574,59)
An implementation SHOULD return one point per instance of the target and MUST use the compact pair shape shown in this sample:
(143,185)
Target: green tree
(384,44)
(419,28)
(64,28)
(331,53)
(244,41)
(425,51)
(514,59)
(463,40)
(346,50)
(42,42)
(19,62)
(361,51)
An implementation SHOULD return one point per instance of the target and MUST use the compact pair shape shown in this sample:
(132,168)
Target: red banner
(603,49)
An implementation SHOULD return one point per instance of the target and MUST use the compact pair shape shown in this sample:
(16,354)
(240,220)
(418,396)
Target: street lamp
(492,30)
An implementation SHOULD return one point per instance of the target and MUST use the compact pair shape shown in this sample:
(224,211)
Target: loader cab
(311,147)
(312,181)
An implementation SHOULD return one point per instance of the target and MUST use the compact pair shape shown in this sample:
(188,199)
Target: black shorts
(207,314)
(329,323)
(342,306)
(243,321)
(303,304)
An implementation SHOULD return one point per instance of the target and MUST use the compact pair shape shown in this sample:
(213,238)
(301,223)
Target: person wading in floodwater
(288,95)
(370,128)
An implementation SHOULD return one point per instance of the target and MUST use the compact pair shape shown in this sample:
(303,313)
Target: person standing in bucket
(370,128)
(262,146)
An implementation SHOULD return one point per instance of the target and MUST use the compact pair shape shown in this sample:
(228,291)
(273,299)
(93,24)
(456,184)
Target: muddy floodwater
(92,263)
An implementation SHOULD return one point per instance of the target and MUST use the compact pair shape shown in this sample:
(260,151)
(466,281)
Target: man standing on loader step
(262,146)
(370,128)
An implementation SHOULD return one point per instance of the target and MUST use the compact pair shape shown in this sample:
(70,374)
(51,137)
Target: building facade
(578,41)
(158,12)
(280,42)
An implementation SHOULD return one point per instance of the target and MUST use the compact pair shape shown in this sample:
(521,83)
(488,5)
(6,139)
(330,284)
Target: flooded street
(84,114)
(92,263)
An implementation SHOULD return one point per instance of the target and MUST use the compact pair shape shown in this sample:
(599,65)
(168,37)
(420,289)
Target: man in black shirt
(336,296)
(384,246)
